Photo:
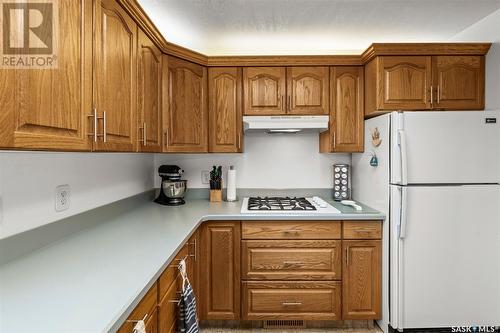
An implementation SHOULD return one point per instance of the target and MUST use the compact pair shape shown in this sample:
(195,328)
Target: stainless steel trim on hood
(285,124)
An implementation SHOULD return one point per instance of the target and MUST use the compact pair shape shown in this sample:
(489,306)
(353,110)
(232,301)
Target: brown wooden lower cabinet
(291,300)
(296,270)
(168,307)
(220,270)
(291,259)
(145,308)
(152,322)
(361,279)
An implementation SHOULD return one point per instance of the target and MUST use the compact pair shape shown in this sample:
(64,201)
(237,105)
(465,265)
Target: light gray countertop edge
(99,260)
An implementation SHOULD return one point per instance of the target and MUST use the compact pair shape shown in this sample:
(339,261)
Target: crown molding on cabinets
(144,22)
(376,49)
(429,49)
(285,60)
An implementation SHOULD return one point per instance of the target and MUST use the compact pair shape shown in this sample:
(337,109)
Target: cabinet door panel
(186,122)
(225,114)
(264,90)
(220,244)
(48,108)
(361,280)
(149,94)
(307,90)
(115,77)
(346,129)
(459,81)
(347,108)
(404,83)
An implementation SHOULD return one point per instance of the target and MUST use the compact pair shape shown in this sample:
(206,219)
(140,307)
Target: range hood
(285,124)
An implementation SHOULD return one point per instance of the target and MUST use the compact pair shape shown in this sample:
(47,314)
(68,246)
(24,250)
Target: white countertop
(92,280)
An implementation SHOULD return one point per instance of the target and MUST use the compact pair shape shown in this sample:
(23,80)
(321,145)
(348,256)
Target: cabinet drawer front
(291,230)
(168,276)
(362,230)
(167,309)
(291,300)
(145,307)
(291,260)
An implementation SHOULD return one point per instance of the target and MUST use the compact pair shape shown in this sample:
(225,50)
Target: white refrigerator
(437,180)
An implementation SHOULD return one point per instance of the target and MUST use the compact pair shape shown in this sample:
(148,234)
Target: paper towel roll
(231,184)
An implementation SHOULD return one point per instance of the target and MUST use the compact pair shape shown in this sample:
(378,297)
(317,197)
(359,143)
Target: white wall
(268,161)
(28,181)
(487,30)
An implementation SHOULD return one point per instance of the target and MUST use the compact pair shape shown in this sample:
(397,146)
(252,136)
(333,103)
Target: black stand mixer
(172,187)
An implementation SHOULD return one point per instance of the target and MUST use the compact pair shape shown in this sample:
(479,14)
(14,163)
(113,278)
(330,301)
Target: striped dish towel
(188,321)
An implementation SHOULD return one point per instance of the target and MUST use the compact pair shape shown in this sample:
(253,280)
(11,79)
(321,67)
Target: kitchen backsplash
(28,182)
(269,161)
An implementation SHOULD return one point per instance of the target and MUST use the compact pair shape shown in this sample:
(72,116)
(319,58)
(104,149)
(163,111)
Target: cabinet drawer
(168,306)
(291,300)
(169,274)
(145,307)
(362,230)
(152,322)
(291,230)
(291,259)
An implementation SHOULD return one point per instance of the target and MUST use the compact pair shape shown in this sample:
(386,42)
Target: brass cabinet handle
(290,231)
(334,139)
(282,103)
(291,262)
(104,134)
(166,138)
(439,95)
(432,96)
(144,136)
(289,103)
(94,115)
(194,244)
(239,141)
(291,303)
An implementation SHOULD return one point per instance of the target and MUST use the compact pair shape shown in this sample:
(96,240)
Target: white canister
(231,184)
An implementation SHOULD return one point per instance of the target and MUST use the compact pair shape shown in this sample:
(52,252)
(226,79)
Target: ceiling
(257,27)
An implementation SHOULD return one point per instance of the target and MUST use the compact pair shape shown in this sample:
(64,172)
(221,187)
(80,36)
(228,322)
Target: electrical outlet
(205,177)
(62,197)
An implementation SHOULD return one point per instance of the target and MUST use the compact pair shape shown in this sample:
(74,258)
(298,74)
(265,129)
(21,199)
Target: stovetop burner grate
(279,203)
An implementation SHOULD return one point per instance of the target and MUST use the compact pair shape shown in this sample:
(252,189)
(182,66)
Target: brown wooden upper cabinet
(459,82)
(149,94)
(47,108)
(346,129)
(225,110)
(115,71)
(185,121)
(307,90)
(424,83)
(264,90)
(285,90)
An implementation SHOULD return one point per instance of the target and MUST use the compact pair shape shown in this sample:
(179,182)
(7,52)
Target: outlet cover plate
(62,197)
(205,177)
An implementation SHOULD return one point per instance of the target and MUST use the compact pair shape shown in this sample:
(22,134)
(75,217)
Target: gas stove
(287,205)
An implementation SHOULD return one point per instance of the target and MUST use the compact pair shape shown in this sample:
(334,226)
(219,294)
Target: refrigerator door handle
(404,157)
(404,207)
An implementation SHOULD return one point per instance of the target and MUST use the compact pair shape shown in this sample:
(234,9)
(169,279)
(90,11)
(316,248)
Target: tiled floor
(310,330)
